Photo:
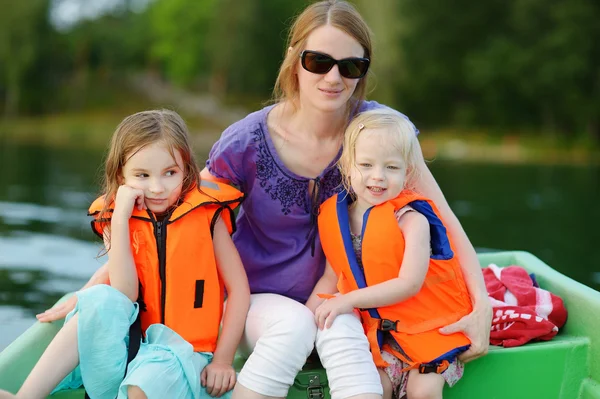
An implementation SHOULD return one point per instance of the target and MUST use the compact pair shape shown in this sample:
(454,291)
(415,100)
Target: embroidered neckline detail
(288,190)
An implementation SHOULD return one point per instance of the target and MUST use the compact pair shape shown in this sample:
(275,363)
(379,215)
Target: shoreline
(92,129)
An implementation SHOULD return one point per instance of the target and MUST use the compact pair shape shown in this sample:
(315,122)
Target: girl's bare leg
(58,360)
(135,392)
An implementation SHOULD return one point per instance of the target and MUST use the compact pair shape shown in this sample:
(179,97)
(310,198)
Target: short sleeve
(226,156)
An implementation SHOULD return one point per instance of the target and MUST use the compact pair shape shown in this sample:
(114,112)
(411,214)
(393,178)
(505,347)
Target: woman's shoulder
(250,122)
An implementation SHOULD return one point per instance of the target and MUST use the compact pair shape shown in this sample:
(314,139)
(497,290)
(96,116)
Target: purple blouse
(274,224)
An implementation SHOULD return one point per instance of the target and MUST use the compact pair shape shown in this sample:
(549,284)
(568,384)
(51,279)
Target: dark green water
(47,248)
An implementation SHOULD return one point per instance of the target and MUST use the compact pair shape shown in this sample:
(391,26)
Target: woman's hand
(326,312)
(58,312)
(218,378)
(476,326)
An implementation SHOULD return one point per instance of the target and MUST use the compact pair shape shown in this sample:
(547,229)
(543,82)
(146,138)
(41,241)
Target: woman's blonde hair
(340,15)
(139,130)
(400,132)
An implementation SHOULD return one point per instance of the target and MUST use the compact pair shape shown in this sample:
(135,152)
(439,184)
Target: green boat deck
(567,367)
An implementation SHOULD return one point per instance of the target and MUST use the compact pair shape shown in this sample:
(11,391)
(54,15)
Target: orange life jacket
(175,261)
(413,323)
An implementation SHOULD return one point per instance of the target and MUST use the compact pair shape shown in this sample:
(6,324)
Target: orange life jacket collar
(180,286)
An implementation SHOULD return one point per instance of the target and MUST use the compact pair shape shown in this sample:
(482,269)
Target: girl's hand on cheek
(127,198)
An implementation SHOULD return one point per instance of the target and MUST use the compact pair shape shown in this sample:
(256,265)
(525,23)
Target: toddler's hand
(326,312)
(218,378)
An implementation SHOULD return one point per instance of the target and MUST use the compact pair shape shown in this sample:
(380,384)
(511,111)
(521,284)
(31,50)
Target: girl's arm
(121,265)
(234,277)
(408,283)
(475,325)
(219,376)
(327,284)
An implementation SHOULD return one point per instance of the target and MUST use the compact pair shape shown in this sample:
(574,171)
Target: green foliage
(180,30)
(525,64)
(22,28)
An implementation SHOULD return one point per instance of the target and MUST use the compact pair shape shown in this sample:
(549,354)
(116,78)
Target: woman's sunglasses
(319,63)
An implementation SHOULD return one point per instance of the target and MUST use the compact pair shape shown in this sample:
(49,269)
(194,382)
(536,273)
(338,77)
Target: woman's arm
(60,311)
(477,324)
(234,277)
(205,174)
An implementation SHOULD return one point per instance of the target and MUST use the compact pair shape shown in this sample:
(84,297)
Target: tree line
(523,65)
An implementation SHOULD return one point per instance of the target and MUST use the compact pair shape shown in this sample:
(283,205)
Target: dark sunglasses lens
(353,68)
(317,63)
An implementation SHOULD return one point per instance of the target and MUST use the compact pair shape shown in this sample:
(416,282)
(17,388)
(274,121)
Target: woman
(282,157)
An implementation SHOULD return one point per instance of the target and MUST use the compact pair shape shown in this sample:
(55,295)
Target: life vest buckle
(387,325)
(438,367)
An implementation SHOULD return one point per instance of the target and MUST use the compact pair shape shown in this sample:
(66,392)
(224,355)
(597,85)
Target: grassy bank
(92,129)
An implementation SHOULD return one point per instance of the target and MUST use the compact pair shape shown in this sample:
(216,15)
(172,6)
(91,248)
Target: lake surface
(48,249)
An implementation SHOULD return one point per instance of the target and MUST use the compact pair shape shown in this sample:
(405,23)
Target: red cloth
(522,312)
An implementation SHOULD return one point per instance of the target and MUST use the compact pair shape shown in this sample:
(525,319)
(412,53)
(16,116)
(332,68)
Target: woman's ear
(290,50)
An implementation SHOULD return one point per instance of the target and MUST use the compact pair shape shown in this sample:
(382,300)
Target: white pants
(280,334)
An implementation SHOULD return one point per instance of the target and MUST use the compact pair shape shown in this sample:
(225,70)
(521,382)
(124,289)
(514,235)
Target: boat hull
(567,367)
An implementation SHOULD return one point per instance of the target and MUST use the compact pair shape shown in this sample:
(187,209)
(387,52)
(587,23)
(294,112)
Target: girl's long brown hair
(134,133)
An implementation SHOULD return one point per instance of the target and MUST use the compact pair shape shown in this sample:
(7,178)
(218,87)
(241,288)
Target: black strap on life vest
(135,338)
(387,325)
(437,367)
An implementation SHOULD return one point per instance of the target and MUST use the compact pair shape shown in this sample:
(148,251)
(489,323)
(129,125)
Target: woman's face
(331,91)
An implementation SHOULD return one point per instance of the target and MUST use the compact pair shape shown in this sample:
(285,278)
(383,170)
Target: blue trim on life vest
(440,245)
(342,202)
(450,356)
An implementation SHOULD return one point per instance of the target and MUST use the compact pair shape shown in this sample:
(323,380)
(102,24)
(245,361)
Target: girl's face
(153,170)
(331,91)
(379,172)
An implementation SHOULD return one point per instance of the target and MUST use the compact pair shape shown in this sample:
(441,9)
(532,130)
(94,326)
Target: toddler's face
(379,172)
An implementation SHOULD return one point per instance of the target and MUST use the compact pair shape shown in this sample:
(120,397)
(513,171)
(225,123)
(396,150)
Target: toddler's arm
(415,264)
(327,284)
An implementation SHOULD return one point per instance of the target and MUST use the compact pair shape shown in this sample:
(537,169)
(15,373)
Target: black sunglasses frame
(339,63)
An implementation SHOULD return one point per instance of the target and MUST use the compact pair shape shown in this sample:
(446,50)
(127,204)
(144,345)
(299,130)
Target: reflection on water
(47,248)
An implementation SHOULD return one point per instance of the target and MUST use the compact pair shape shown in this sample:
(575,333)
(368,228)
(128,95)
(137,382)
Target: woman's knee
(282,321)
(346,331)
(135,392)
(282,333)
